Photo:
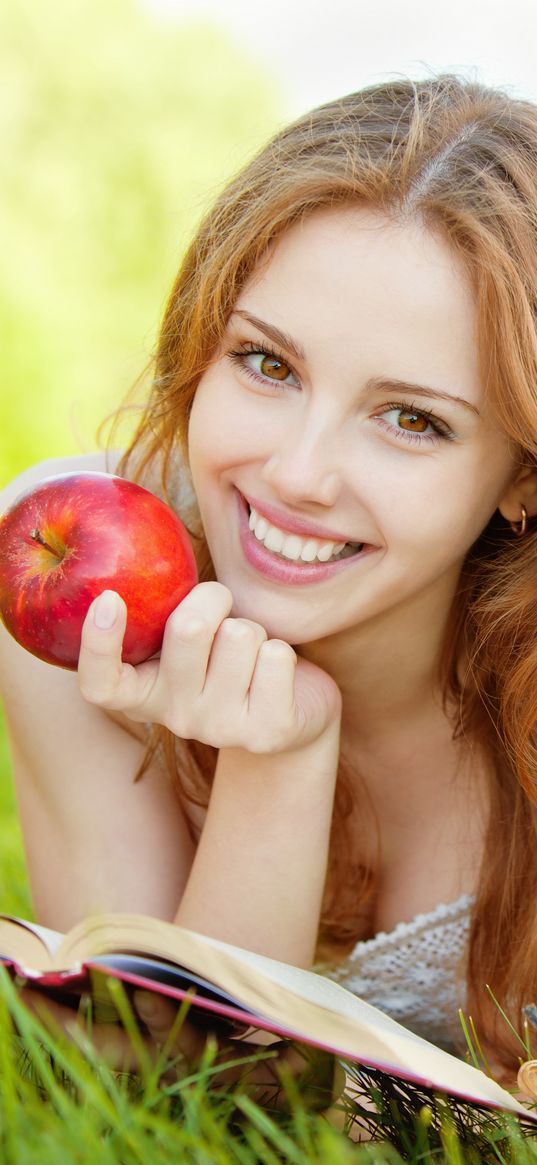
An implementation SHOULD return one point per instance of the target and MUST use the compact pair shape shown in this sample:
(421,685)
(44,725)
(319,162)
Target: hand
(175,1051)
(170,1050)
(218,680)
(316,1074)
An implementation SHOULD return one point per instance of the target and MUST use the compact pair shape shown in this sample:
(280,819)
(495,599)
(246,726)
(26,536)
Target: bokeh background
(120,120)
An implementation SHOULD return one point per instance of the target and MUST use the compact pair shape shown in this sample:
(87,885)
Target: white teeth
(309,550)
(261,529)
(292,546)
(274,539)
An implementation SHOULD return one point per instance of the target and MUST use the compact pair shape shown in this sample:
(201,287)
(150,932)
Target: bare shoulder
(103,462)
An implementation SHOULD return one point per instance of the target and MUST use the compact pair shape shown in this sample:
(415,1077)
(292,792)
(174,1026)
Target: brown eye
(274,369)
(412,422)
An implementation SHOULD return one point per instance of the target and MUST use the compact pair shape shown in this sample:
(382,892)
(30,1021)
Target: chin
(277,624)
(284,613)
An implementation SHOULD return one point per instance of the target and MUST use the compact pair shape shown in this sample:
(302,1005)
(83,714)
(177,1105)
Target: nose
(304,467)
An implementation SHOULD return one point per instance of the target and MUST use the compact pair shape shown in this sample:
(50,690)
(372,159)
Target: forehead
(357,245)
(393,292)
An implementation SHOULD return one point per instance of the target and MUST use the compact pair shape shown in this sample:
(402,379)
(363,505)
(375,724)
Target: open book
(242,987)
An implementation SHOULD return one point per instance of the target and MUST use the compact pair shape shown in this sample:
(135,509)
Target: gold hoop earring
(519,528)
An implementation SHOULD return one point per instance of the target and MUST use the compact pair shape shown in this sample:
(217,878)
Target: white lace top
(415,972)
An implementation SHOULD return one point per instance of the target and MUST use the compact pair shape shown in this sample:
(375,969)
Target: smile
(301,559)
(295,548)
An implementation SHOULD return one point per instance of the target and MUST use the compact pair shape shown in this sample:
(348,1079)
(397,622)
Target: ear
(521,492)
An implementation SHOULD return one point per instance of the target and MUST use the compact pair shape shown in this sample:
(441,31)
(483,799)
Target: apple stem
(38,537)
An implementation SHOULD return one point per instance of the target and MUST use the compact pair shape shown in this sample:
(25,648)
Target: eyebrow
(410,389)
(273,333)
(375,384)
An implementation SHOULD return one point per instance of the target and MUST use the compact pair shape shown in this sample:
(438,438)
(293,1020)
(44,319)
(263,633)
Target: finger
(103,678)
(273,681)
(233,659)
(99,664)
(166,1029)
(189,636)
(156,1012)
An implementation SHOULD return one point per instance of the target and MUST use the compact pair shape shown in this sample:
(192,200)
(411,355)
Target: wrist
(318,759)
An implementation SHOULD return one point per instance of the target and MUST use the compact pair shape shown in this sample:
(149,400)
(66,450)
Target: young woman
(344,412)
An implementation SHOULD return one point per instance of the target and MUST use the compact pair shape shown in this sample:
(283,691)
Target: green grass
(61,1105)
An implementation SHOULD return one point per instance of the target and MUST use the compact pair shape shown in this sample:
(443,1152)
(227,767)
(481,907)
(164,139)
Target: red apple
(72,536)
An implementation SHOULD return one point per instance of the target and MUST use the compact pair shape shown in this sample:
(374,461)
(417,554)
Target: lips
(292,524)
(296,566)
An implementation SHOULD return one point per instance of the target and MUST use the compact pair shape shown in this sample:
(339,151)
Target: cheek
(226,430)
(216,447)
(479,489)
(206,434)
(441,512)
(213,450)
(201,417)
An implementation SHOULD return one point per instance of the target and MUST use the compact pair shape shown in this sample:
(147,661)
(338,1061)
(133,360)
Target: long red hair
(462,159)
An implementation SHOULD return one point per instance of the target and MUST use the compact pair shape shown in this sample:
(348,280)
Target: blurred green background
(117,130)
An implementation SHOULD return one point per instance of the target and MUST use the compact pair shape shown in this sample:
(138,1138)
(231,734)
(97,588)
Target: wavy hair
(461,159)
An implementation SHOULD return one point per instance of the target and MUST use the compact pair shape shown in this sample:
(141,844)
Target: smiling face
(345,410)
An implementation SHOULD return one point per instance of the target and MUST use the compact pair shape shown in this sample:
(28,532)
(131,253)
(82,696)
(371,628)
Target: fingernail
(105,611)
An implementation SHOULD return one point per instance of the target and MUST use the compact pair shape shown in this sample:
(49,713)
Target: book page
(304,1003)
(28,943)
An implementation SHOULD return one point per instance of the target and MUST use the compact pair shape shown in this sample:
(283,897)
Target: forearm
(94,839)
(258,876)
